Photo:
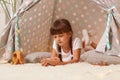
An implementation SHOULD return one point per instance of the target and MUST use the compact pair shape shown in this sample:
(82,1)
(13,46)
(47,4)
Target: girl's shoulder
(77,43)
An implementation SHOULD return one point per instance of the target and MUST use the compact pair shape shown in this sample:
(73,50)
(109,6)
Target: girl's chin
(60,44)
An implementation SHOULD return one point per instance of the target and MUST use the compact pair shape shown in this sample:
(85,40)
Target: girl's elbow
(76,60)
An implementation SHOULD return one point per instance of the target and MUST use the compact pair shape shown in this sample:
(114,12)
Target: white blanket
(77,71)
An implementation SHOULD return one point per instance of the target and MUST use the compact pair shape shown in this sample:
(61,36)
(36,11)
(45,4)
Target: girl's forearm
(55,62)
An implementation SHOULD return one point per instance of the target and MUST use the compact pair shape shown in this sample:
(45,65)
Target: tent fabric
(36,22)
(10,30)
(111,37)
(36,17)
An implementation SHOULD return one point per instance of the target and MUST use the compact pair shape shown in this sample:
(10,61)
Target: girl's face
(62,39)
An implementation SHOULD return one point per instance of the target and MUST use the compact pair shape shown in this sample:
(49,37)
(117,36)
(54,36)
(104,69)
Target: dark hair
(61,26)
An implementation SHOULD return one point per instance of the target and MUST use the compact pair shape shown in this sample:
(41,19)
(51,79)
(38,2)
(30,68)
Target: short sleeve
(77,44)
(54,45)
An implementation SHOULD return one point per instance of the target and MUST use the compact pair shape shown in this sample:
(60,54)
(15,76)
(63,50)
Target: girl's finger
(45,64)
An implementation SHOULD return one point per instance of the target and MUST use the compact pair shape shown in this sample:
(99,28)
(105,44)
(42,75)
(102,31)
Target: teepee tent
(28,30)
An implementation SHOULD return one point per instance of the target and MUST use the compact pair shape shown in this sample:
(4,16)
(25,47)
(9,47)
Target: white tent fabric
(10,32)
(110,41)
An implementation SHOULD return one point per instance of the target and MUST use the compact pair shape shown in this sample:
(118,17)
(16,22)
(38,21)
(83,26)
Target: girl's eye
(54,36)
(60,35)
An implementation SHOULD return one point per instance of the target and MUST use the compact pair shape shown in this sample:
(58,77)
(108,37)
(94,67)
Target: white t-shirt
(76,44)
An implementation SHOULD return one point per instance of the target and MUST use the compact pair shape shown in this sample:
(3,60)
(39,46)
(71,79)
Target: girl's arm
(56,61)
(53,53)
(50,61)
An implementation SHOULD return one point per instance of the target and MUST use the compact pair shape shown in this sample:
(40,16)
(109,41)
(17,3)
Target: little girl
(65,48)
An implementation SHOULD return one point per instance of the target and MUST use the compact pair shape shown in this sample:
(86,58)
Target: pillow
(35,57)
(94,57)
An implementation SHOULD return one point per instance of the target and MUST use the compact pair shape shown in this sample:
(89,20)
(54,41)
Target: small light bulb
(19,31)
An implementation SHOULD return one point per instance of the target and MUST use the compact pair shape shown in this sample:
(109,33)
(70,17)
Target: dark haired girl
(65,48)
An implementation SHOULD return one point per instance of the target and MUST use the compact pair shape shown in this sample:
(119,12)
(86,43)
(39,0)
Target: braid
(59,50)
(71,45)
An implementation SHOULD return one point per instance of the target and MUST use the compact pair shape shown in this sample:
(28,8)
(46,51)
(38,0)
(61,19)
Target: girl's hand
(54,61)
(43,61)
(50,61)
